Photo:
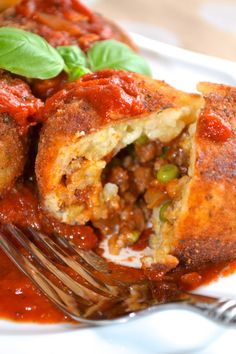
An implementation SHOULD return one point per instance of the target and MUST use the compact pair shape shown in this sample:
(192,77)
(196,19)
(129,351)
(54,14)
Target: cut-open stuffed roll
(17,108)
(90,129)
(140,159)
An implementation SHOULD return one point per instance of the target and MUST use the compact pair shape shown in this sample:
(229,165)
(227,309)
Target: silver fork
(81,284)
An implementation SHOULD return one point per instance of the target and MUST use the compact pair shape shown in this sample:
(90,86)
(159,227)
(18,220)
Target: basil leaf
(116,55)
(73,57)
(27,54)
(75,61)
(76,73)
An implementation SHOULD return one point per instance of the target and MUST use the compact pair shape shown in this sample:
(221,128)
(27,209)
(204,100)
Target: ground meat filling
(137,171)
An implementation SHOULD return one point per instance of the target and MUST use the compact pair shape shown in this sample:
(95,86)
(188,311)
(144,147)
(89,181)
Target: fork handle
(220,310)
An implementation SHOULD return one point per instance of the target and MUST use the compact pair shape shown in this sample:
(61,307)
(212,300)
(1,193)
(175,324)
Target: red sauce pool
(20,300)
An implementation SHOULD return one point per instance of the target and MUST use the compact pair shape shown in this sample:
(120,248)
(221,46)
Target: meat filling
(150,177)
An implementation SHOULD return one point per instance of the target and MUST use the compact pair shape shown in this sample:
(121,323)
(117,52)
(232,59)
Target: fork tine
(63,300)
(89,257)
(94,264)
(77,288)
(56,250)
(75,307)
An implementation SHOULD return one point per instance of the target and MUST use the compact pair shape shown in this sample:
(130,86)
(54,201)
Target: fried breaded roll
(17,107)
(12,153)
(88,123)
(143,161)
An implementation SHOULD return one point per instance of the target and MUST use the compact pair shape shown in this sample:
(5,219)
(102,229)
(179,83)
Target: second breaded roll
(17,112)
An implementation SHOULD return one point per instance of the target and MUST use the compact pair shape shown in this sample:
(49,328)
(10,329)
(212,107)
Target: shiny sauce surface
(213,127)
(64,22)
(20,300)
(118,91)
(17,101)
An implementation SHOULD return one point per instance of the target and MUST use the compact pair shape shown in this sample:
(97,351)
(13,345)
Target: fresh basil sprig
(108,54)
(27,54)
(116,55)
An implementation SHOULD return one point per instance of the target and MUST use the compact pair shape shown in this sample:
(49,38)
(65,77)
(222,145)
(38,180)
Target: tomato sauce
(20,300)
(66,22)
(213,127)
(17,101)
(117,90)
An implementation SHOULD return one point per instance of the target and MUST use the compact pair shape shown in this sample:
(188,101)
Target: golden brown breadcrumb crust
(206,228)
(12,152)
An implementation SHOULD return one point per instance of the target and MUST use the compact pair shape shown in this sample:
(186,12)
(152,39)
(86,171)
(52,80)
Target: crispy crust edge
(206,228)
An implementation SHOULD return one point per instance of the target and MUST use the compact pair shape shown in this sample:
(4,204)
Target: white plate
(172,331)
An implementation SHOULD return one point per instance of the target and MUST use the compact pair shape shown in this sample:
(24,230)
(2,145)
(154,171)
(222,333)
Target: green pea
(167,173)
(142,140)
(163,209)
